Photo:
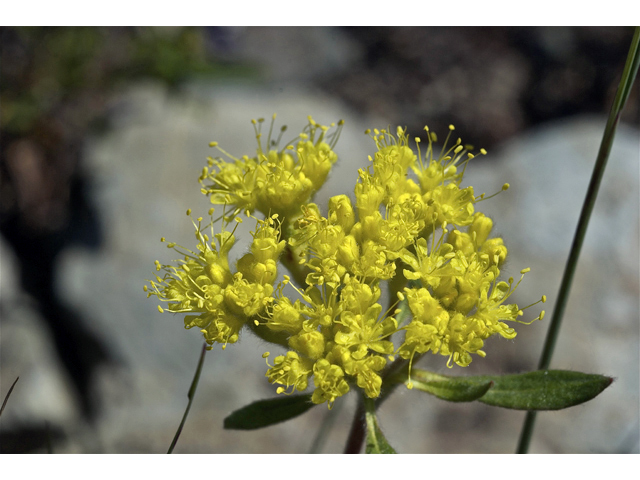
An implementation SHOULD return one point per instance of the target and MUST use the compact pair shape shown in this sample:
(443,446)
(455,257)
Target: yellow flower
(366,329)
(289,370)
(285,316)
(329,381)
(277,180)
(441,169)
(449,204)
(219,302)
(260,265)
(455,318)
(391,163)
(411,224)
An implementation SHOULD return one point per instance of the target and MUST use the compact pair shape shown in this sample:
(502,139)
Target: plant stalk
(624,88)
(190,395)
(8,395)
(357,432)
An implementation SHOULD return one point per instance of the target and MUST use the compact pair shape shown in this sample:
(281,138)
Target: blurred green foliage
(47,71)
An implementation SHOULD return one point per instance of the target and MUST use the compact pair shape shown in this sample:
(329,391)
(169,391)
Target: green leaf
(376,443)
(544,389)
(452,389)
(540,390)
(265,413)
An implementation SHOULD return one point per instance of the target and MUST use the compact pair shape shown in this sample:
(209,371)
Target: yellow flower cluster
(274,181)
(412,225)
(220,302)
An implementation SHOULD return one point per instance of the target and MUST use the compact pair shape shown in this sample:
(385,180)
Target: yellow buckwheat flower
(219,301)
(409,222)
(275,180)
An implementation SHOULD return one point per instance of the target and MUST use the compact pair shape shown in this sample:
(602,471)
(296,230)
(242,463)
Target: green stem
(624,88)
(370,420)
(190,395)
(8,395)
(389,384)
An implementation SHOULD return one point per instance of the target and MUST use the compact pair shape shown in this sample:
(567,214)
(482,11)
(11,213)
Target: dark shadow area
(490,82)
(31,439)
(58,85)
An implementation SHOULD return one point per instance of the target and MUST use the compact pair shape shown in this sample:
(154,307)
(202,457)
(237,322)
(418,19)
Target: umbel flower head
(277,179)
(411,223)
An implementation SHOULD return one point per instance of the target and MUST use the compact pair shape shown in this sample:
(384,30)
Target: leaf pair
(539,390)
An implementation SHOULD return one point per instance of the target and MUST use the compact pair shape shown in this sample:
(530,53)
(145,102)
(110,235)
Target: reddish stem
(357,432)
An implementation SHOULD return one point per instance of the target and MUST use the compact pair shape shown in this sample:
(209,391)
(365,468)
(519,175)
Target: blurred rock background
(103,135)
